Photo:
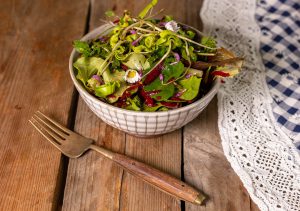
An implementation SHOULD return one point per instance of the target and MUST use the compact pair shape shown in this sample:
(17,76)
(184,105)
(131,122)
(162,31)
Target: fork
(74,145)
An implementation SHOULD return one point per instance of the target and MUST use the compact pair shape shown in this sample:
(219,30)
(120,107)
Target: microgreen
(167,58)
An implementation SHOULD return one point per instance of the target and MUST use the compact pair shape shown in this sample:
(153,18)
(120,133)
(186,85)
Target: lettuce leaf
(87,67)
(117,75)
(191,85)
(106,89)
(137,61)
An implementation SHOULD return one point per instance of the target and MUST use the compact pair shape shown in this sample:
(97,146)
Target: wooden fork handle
(160,180)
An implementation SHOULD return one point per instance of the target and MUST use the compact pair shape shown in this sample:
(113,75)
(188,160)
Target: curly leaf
(210,42)
(150,41)
(191,57)
(118,93)
(114,40)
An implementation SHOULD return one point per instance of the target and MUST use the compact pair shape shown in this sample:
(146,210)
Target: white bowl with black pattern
(139,123)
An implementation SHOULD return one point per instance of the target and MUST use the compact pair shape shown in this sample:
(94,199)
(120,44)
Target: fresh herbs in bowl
(147,64)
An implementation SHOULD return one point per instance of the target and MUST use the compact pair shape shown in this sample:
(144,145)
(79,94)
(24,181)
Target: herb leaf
(210,42)
(172,71)
(166,91)
(134,104)
(82,47)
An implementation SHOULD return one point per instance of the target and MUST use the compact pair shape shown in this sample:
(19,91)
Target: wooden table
(36,40)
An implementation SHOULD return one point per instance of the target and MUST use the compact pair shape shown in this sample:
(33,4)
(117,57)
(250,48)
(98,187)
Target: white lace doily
(260,153)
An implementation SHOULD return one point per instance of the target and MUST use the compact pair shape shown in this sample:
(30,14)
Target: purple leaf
(132,31)
(162,23)
(161,77)
(188,75)
(135,42)
(98,78)
(177,57)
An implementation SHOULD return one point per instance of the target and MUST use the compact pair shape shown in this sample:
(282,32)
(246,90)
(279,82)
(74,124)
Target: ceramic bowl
(143,124)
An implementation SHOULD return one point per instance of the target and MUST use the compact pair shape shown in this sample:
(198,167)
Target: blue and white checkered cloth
(279,21)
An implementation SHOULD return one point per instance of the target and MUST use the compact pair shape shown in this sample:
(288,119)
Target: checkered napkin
(279,21)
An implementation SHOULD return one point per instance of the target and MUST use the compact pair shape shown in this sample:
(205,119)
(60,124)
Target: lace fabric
(260,153)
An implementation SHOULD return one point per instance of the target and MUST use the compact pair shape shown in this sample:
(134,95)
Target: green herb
(209,42)
(82,47)
(134,104)
(172,71)
(165,91)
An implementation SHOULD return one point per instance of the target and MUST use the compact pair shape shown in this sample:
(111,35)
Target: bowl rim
(214,88)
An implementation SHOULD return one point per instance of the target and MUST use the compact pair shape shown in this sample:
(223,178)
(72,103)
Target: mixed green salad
(147,64)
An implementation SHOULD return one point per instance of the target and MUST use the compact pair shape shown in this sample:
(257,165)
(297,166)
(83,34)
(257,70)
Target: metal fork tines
(67,141)
(51,130)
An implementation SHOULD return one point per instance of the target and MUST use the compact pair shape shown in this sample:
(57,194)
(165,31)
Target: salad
(147,64)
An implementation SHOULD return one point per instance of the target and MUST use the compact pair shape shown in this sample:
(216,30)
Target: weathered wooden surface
(206,167)
(35,39)
(36,42)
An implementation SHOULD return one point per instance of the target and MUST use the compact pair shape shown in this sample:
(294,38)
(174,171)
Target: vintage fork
(74,145)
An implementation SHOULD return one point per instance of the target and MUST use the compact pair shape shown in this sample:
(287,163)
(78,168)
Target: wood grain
(163,153)
(94,182)
(35,39)
(206,167)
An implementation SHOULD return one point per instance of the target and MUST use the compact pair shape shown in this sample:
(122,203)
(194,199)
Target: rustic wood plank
(35,39)
(206,167)
(93,182)
(163,153)
(253,206)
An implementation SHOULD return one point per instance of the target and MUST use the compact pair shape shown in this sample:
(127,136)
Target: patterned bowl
(142,124)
